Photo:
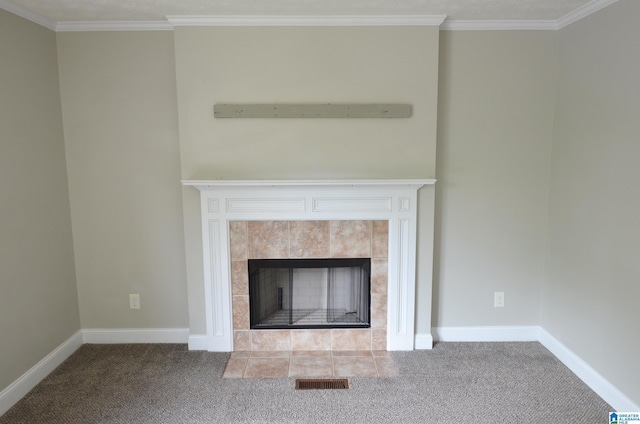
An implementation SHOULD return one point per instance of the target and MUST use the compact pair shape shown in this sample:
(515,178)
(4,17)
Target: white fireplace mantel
(393,200)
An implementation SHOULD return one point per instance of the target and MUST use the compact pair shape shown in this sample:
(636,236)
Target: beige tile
(350,339)
(386,366)
(379,276)
(241,340)
(241,312)
(378,353)
(309,239)
(351,353)
(267,367)
(310,339)
(235,368)
(270,340)
(239,278)
(354,366)
(379,340)
(240,354)
(270,354)
(351,239)
(311,367)
(380,239)
(314,353)
(268,239)
(378,311)
(238,240)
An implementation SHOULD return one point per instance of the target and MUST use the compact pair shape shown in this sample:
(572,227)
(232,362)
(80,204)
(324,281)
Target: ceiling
(56,11)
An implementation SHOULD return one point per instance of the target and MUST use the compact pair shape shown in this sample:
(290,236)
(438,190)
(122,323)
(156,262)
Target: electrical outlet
(134,301)
(498,300)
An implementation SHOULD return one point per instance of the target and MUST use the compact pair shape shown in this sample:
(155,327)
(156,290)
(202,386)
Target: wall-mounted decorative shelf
(290,110)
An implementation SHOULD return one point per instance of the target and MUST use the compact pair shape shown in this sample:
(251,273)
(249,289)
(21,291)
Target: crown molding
(527,25)
(26,14)
(280,20)
(583,12)
(499,25)
(337,20)
(114,26)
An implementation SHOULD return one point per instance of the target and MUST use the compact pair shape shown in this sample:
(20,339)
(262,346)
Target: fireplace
(278,249)
(358,213)
(310,293)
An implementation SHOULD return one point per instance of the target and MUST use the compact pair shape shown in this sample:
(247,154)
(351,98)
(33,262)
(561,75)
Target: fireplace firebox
(310,293)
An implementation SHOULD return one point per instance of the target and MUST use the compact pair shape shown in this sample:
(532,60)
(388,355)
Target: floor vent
(318,384)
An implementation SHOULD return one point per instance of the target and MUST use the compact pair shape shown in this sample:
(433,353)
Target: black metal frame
(254,265)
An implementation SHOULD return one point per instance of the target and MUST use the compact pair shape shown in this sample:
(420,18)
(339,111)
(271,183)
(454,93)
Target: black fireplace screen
(310,293)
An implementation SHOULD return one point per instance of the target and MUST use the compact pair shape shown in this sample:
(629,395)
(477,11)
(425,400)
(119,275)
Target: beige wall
(494,139)
(592,291)
(305,65)
(38,299)
(120,119)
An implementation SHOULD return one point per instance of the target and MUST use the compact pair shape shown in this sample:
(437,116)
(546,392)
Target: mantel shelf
(203,184)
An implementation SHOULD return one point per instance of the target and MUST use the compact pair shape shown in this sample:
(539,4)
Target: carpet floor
(452,383)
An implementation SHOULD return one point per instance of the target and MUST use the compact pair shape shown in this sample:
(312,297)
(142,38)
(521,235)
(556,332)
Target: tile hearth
(316,364)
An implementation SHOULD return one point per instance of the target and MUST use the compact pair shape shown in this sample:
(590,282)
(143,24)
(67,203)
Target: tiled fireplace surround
(303,240)
(258,219)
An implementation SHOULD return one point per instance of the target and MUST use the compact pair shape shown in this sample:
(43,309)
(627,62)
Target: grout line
(246,239)
(333,366)
(246,365)
(330,240)
(370,239)
(288,239)
(375,364)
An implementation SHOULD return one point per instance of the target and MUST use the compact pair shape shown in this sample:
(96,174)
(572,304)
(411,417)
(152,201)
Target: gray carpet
(453,383)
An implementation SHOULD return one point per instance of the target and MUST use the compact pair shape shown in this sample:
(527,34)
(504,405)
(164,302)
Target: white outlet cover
(134,301)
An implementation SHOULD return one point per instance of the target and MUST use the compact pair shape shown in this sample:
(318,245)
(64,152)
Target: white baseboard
(198,342)
(16,390)
(487,334)
(135,335)
(607,391)
(423,341)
